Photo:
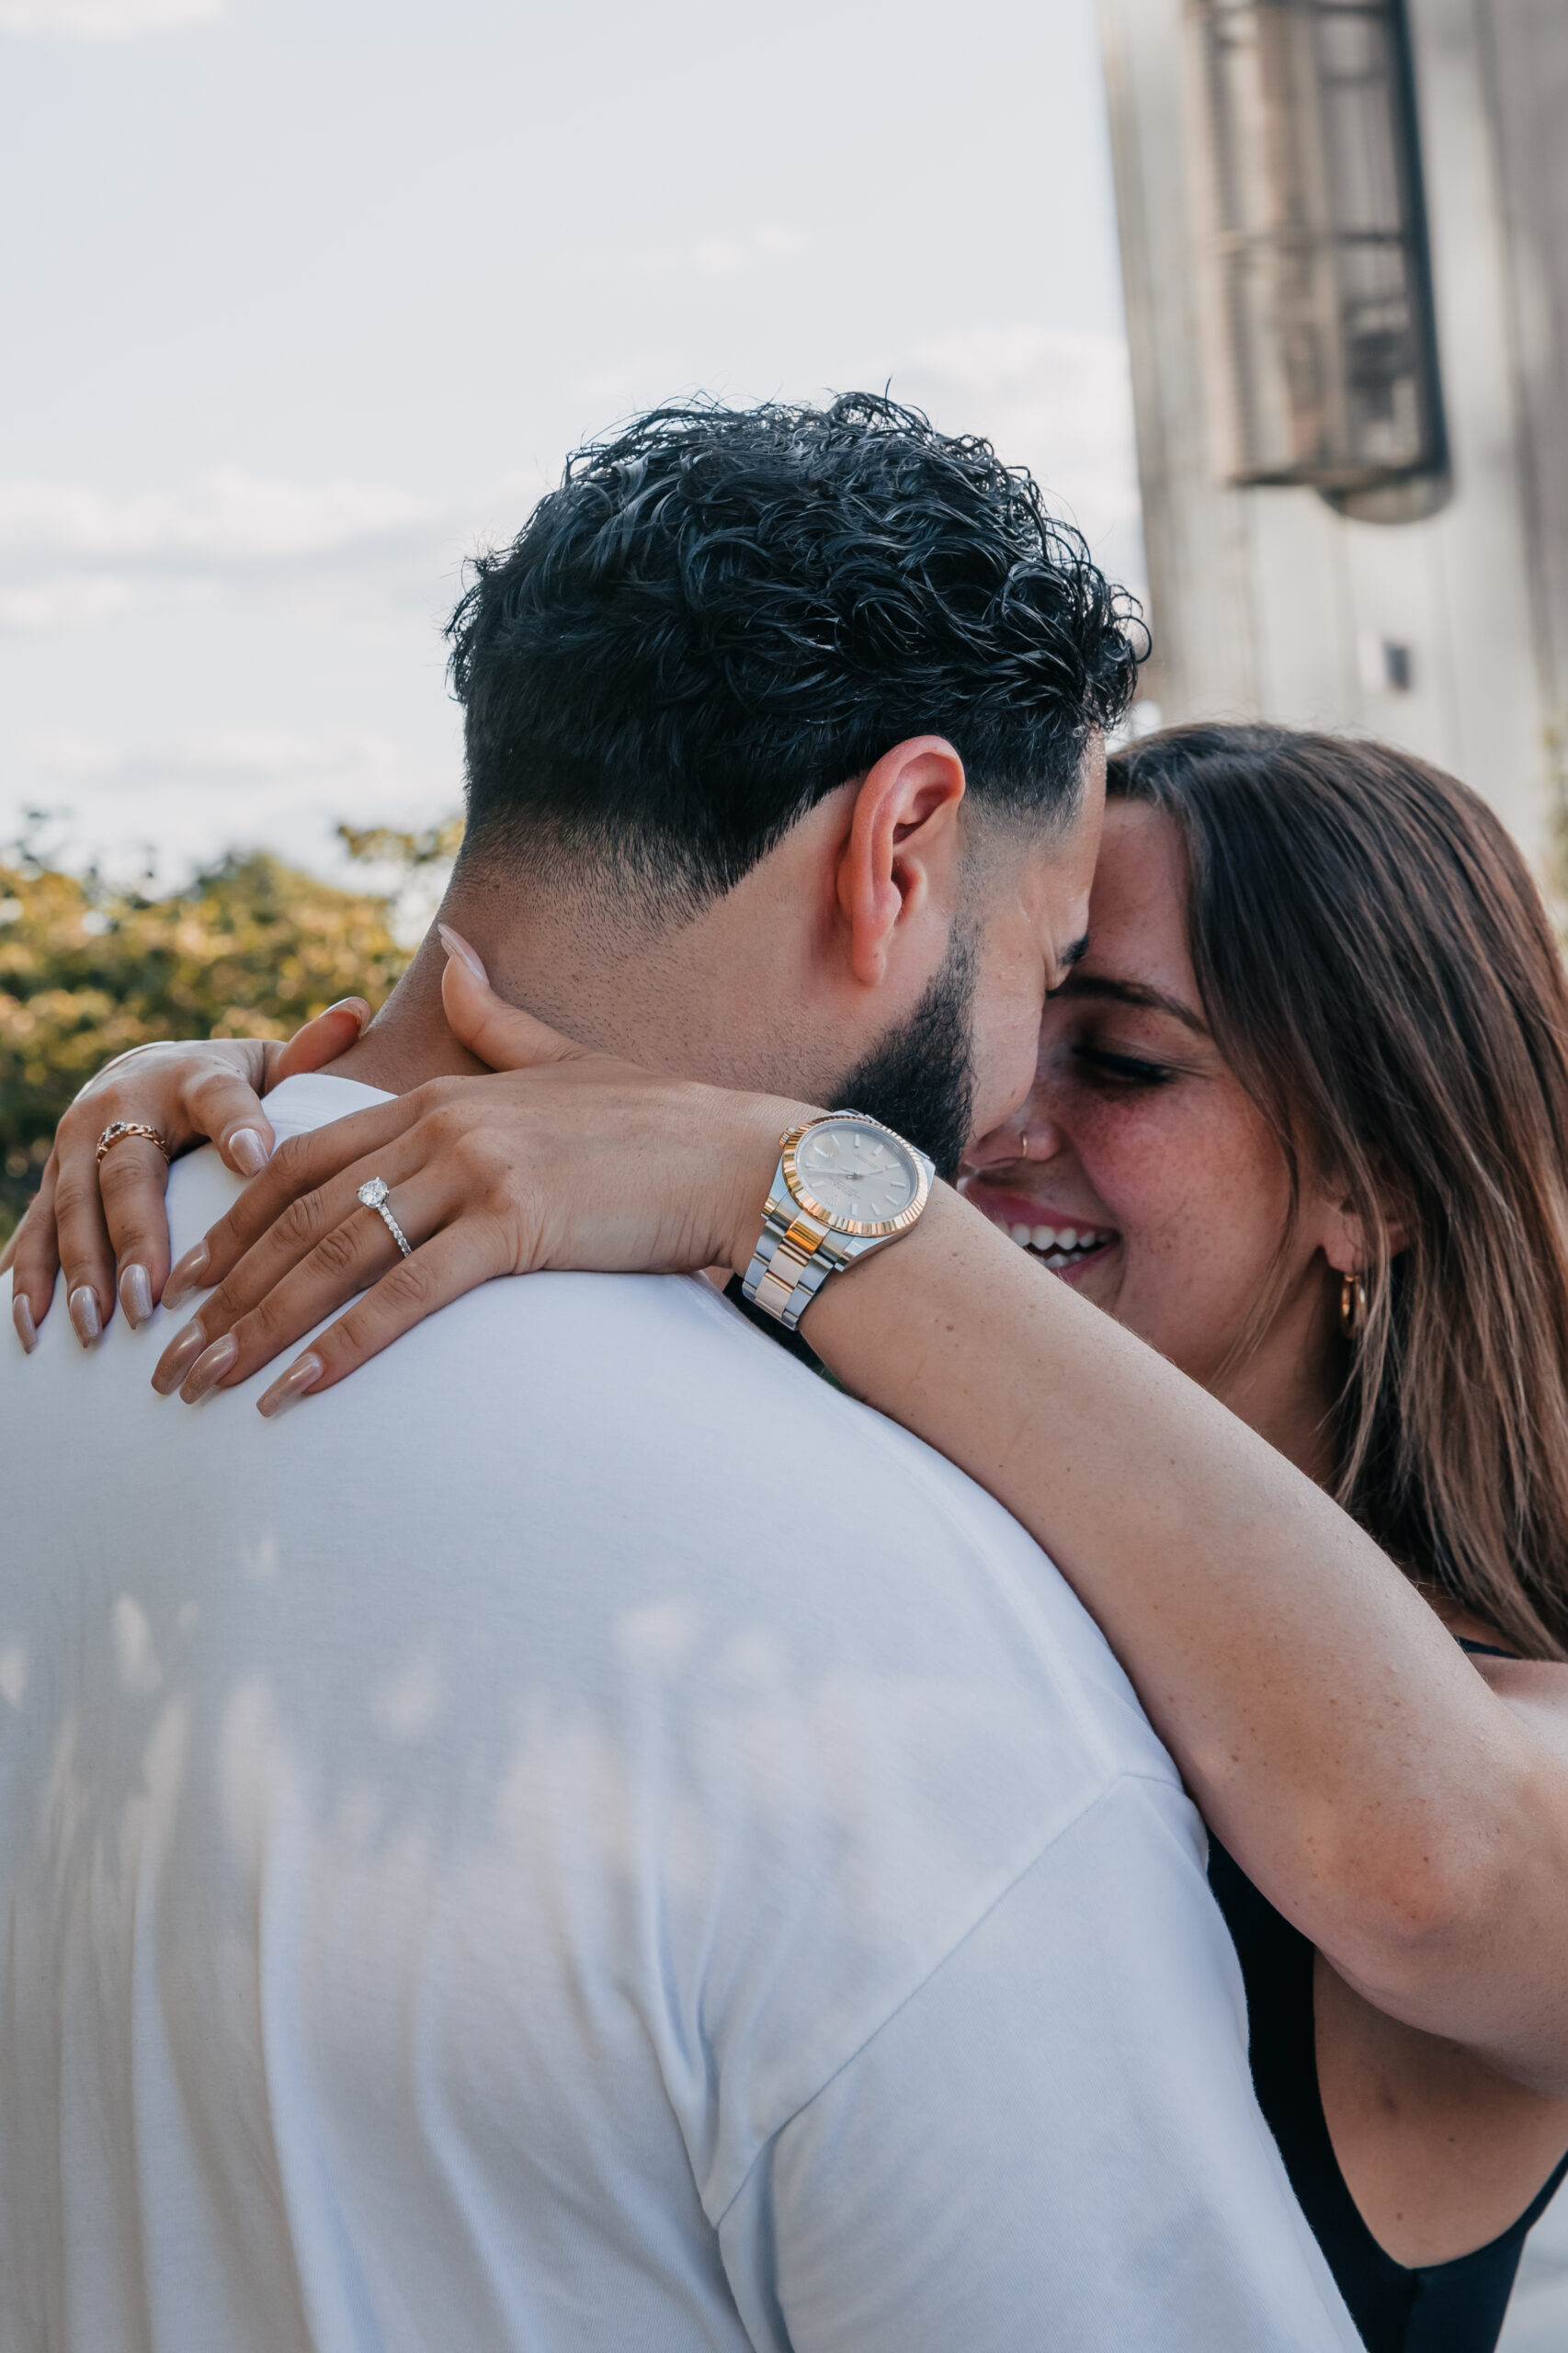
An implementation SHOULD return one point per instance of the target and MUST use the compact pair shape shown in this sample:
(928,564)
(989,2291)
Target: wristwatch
(845,1186)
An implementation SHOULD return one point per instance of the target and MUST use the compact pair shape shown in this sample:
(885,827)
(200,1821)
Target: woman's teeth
(1059,1245)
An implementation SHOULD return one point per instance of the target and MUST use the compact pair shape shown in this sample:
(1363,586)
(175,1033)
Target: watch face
(857,1173)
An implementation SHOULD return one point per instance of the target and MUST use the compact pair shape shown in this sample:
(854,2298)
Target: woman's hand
(102,1223)
(564,1159)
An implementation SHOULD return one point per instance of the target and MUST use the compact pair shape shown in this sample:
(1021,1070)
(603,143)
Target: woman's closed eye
(1125,1070)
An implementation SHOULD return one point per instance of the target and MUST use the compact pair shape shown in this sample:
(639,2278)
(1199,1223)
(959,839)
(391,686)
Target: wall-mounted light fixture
(1322,355)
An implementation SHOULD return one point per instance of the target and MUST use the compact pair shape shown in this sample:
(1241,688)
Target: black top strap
(1454,2307)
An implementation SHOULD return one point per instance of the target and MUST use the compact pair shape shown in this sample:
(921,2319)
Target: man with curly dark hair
(586,1838)
(732,652)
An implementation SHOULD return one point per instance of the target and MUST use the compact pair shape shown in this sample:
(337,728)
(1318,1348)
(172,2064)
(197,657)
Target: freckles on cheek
(1144,1170)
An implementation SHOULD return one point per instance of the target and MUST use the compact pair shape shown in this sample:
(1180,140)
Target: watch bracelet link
(783,1279)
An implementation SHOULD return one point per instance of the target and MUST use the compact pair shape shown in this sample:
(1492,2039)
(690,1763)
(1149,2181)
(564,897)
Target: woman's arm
(1409,1820)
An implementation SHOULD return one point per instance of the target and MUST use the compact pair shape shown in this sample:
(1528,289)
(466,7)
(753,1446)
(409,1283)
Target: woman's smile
(1061,1240)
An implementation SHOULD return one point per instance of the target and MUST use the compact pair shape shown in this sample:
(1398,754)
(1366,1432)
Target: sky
(305,299)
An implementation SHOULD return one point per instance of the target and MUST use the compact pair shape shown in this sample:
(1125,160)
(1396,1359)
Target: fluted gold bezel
(859,1228)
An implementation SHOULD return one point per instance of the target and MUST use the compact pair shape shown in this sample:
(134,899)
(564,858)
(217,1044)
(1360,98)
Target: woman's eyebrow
(1099,984)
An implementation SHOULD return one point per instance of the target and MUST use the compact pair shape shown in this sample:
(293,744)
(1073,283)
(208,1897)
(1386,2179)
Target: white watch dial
(857,1172)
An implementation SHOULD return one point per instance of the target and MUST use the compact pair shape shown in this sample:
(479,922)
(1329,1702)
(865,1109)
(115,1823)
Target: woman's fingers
(34,1260)
(456,1260)
(329,1231)
(103,1223)
(497,1032)
(86,1255)
(220,1105)
(320,1041)
(244,1325)
(299,1165)
(113,1233)
(132,1179)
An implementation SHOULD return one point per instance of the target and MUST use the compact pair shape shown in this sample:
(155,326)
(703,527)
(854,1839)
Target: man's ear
(903,843)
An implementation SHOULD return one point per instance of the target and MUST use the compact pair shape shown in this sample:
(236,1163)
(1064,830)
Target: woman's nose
(1030,1134)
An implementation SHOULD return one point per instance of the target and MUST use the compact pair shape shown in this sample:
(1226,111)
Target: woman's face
(1141,1173)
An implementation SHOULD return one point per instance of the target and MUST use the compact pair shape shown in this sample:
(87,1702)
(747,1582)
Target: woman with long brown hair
(1301,1125)
(1377,973)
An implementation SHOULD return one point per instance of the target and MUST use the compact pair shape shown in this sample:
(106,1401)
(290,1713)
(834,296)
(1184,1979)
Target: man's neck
(678,997)
(409,1041)
(749,992)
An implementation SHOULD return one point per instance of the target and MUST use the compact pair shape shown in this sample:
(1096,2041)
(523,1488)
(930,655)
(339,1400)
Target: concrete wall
(1525,52)
(1266,603)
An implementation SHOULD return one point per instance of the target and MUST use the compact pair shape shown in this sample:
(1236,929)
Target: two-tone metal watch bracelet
(793,1258)
(803,1240)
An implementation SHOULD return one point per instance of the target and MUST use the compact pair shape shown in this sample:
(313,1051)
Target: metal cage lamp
(1321,350)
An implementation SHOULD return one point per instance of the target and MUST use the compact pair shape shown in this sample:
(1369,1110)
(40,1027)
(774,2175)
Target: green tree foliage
(249,950)
(437,845)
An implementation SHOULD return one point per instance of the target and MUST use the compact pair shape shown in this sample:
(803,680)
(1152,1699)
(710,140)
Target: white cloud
(61,604)
(728,253)
(229,521)
(725,257)
(108,19)
(71,555)
(1058,401)
(197,794)
(347,761)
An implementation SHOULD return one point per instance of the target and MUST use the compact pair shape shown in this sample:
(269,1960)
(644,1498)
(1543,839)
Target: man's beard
(920,1079)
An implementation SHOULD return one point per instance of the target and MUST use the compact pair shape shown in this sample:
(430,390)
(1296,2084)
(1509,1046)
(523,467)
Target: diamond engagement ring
(374,1196)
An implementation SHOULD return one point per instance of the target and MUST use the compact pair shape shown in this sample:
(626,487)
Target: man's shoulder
(625,1451)
(650,1421)
(589,1566)
(640,1424)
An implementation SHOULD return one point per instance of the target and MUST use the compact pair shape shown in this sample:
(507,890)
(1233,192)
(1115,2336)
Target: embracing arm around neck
(1408,1814)
(1407,1811)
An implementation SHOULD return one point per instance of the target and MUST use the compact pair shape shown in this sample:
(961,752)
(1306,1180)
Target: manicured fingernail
(22,1317)
(210,1367)
(354,1005)
(247,1152)
(301,1376)
(179,1358)
(85,1321)
(186,1277)
(135,1294)
(456,945)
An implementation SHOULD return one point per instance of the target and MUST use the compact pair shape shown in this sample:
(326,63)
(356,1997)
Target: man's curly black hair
(723,615)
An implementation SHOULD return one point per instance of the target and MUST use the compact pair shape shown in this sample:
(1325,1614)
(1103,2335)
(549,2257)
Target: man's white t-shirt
(584,1837)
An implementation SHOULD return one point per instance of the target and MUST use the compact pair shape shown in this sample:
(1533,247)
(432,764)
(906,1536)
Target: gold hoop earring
(1352,1305)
